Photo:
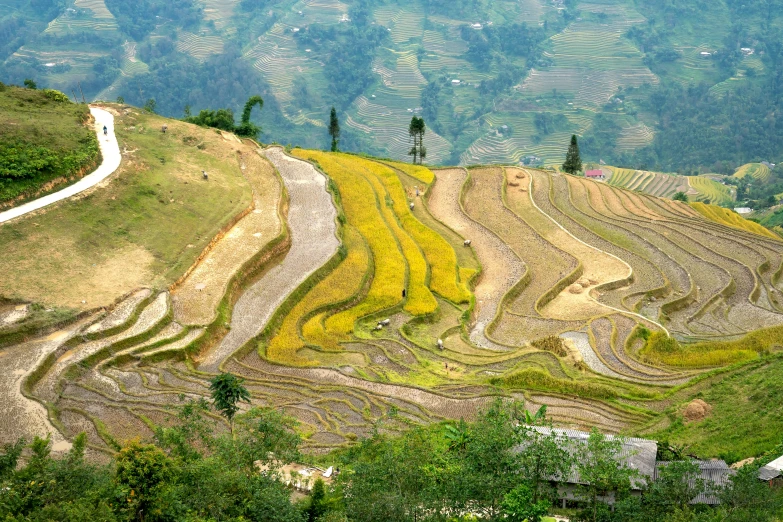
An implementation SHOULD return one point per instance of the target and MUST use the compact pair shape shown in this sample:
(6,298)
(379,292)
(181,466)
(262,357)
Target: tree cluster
(502,466)
(224,118)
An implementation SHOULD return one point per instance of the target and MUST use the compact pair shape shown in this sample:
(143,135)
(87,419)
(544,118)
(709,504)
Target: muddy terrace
(301,294)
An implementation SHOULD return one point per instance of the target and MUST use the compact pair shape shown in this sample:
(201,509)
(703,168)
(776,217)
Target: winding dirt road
(110,151)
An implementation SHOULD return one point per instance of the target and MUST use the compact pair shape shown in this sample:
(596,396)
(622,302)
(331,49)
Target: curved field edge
(643,412)
(732,219)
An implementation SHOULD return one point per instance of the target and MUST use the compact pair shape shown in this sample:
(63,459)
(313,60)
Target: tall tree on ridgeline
(416,131)
(334,129)
(573,163)
(246,127)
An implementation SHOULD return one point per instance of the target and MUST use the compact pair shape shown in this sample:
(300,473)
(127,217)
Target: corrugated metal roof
(772,470)
(638,454)
(715,474)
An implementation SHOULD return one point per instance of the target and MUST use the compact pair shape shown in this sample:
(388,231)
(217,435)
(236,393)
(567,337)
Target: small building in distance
(772,473)
(595,174)
(743,210)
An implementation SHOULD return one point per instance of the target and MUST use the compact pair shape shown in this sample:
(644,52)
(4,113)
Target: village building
(714,473)
(595,174)
(638,454)
(772,473)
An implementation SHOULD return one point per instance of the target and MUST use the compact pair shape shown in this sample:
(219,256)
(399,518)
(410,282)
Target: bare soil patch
(501,268)
(195,299)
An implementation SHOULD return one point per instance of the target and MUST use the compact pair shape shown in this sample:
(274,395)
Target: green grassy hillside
(45,142)
(145,228)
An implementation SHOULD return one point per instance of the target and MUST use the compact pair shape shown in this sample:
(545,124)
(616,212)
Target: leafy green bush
(56,95)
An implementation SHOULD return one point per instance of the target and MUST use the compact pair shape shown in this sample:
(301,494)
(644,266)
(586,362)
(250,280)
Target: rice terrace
(357,294)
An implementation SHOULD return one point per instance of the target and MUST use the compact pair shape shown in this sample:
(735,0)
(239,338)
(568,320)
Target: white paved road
(111,160)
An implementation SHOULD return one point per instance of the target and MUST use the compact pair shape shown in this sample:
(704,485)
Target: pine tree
(416,131)
(573,163)
(334,129)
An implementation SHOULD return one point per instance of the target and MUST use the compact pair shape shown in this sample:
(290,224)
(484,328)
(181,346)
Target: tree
(519,505)
(30,84)
(544,456)
(489,465)
(601,471)
(227,390)
(317,505)
(680,196)
(10,457)
(573,163)
(149,106)
(537,418)
(142,469)
(395,480)
(246,127)
(416,130)
(748,498)
(334,129)
(676,484)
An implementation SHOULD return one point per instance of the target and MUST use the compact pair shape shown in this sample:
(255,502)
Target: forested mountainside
(654,85)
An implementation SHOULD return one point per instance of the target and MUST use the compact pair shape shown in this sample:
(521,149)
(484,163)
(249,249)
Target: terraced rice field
(710,191)
(757,171)
(653,183)
(389,125)
(99,18)
(590,62)
(369,306)
(198,46)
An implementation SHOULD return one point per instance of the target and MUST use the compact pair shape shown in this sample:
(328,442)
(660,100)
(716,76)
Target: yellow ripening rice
(730,218)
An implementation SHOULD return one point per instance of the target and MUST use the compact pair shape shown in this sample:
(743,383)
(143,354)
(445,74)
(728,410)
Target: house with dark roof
(638,454)
(595,174)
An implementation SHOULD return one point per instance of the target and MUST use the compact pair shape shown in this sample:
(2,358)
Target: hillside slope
(496,81)
(46,142)
(144,227)
(602,303)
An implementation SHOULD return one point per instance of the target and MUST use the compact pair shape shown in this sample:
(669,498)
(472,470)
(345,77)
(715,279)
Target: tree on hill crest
(416,131)
(334,129)
(573,163)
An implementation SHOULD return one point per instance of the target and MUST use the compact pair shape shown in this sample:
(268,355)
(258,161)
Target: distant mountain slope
(654,85)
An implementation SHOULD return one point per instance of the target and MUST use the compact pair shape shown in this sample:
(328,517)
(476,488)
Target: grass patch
(145,228)
(747,414)
(660,349)
(535,379)
(45,142)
